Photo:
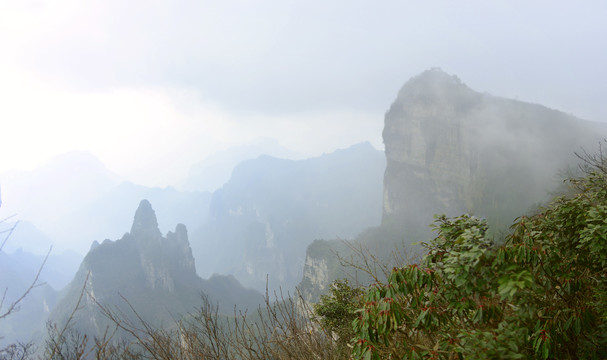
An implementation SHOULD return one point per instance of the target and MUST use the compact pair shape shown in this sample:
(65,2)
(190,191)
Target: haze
(162,149)
(153,87)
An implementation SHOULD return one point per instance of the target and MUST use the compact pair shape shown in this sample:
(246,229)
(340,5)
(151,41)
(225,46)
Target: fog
(104,103)
(153,88)
(176,93)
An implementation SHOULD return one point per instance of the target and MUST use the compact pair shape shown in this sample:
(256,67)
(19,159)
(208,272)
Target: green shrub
(542,294)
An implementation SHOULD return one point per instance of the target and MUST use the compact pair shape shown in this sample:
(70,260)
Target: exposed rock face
(431,163)
(452,150)
(145,224)
(263,219)
(156,274)
(316,271)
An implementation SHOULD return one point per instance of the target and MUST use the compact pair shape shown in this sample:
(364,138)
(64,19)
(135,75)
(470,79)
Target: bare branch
(594,161)
(14,306)
(56,344)
(8,232)
(375,267)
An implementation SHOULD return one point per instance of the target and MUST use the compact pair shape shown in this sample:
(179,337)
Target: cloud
(142,83)
(289,56)
(152,135)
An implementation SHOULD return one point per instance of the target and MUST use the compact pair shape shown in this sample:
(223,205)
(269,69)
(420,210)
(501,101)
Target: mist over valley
(249,182)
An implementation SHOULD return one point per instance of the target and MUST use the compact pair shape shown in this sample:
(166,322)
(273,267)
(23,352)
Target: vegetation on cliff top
(542,294)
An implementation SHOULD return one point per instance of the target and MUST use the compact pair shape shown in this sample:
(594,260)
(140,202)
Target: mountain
(28,320)
(73,199)
(156,274)
(26,237)
(262,220)
(48,193)
(452,150)
(214,171)
(58,269)
(109,215)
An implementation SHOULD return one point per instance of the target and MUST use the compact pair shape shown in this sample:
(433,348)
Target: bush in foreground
(542,294)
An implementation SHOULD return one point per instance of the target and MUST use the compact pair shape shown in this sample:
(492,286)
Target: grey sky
(316,75)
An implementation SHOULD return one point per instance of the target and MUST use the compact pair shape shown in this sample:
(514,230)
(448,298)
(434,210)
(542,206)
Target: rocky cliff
(263,219)
(155,274)
(452,150)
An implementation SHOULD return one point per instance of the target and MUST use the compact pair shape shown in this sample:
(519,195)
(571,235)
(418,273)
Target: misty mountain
(156,274)
(73,199)
(262,220)
(28,319)
(47,194)
(58,270)
(453,150)
(214,171)
(26,237)
(109,215)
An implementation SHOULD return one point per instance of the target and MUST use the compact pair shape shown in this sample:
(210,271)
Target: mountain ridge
(145,272)
(261,221)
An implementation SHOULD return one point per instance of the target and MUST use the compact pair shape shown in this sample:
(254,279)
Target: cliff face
(163,260)
(263,219)
(430,162)
(155,274)
(452,150)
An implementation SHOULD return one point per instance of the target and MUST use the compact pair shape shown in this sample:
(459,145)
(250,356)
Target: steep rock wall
(146,273)
(452,150)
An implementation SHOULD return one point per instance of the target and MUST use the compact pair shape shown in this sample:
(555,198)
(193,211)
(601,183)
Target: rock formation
(452,150)
(156,275)
(263,219)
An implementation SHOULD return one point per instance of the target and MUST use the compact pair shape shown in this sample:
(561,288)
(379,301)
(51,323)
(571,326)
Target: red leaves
(543,334)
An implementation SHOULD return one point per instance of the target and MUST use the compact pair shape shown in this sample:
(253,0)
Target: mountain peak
(145,221)
(433,83)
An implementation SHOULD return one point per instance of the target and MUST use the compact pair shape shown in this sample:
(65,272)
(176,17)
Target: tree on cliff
(542,294)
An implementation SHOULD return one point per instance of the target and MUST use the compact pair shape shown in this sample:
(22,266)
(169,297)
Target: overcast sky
(152,86)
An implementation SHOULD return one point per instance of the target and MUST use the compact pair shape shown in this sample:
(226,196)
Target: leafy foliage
(337,310)
(542,294)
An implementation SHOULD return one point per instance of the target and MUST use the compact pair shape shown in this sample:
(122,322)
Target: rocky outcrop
(452,150)
(263,219)
(316,271)
(431,163)
(145,224)
(155,274)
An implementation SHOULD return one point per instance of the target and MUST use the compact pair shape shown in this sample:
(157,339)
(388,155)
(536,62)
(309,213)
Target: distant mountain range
(261,221)
(274,222)
(285,205)
(28,320)
(214,171)
(73,200)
